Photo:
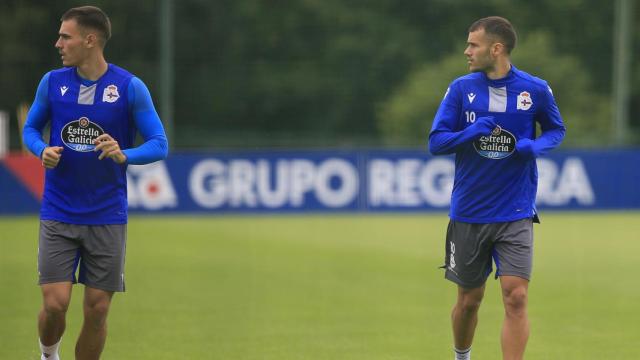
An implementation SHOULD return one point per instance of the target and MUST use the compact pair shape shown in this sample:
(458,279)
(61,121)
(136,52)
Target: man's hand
(524,147)
(110,149)
(51,156)
(484,125)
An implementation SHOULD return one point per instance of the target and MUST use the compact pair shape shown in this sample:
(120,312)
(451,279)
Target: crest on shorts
(110,94)
(524,101)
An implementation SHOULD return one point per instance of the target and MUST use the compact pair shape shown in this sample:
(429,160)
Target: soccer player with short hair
(94,110)
(488,120)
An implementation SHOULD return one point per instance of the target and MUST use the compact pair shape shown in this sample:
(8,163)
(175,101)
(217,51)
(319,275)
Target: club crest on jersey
(110,94)
(524,101)
(80,134)
(499,145)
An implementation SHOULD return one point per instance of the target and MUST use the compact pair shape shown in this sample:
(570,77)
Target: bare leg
(51,319)
(464,316)
(94,328)
(515,330)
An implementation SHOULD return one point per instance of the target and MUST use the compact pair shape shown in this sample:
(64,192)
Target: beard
(482,64)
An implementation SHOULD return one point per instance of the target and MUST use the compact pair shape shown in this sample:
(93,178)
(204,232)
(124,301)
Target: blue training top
(82,189)
(496,178)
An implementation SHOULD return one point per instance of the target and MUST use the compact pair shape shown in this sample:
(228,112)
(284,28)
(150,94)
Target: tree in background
(409,112)
(255,73)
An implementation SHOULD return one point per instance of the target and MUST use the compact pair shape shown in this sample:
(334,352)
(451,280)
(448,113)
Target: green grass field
(333,287)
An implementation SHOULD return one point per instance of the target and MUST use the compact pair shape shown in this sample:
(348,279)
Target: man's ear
(497,49)
(91,40)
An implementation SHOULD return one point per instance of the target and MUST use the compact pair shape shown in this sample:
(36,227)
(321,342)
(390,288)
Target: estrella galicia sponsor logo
(80,134)
(499,145)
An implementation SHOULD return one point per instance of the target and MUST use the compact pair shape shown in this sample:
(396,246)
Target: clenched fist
(51,156)
(110,148)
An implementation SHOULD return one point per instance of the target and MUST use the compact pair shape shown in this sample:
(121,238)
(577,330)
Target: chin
(476,68)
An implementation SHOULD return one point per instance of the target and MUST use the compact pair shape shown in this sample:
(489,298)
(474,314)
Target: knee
(97,310)
(515,300)
(469,305)
(55,306)
(95,314)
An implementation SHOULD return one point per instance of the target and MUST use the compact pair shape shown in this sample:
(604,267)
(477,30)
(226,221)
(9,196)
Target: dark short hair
(90,17)
(499,27)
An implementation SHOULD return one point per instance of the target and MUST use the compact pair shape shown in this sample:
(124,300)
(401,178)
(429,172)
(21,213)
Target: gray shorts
(97,250)
(471,247)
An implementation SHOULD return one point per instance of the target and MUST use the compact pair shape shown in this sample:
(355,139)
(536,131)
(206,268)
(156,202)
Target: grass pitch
(333,287)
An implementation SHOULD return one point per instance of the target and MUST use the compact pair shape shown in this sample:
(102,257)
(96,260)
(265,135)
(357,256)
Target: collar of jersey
(502,81)
(87,82)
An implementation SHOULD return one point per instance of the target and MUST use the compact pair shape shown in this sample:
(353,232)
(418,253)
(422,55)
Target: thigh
(103,257)
(56,296)
(513,250)
(58,252)
(468,253)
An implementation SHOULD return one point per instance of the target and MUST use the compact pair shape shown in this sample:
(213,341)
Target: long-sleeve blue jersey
(82,189)
(490,126)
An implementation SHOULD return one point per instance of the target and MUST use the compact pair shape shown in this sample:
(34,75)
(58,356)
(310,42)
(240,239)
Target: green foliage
(319,73)
(586,113)
(409,112)
(297,66)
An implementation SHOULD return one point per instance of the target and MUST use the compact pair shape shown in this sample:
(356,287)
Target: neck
(93,68)
(500,70)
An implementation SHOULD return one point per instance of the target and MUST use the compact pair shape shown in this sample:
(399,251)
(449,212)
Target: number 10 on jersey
(471,116)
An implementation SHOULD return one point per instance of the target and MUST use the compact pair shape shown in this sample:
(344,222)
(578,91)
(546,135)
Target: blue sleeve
(37,118)
(155,146)
(552,127)
(447,133)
